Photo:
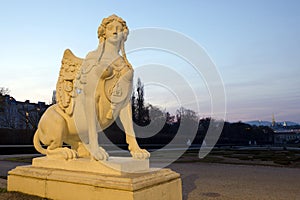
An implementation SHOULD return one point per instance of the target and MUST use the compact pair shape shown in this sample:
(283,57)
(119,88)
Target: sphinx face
(114,32)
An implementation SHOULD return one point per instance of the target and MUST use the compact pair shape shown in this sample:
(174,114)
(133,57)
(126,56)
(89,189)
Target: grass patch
(288,158)
(282,162)
(207,159)
(211,159)
(3,190)
(221,152)
(27,159)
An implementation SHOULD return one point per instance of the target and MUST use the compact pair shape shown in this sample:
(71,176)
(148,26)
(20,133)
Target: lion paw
(62,153)
(140,154)
(69,153)
(100,154)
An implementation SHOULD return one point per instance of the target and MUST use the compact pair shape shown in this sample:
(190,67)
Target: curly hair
(102,35)
(106,21)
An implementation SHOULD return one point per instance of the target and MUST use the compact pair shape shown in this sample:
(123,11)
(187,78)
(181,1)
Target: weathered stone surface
(113,166)
(65,184)
(91,93)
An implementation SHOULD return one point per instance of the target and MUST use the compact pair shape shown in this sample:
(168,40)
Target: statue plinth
(114,165)
(61,184)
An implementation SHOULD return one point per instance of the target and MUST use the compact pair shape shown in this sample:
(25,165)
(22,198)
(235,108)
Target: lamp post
(27,120)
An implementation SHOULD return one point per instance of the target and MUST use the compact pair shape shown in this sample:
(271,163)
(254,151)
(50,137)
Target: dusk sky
(255,46)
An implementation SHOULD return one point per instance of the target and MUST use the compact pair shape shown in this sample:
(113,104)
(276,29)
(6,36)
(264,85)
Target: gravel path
(235,182)
(5,166)
(3,183)
(207,181)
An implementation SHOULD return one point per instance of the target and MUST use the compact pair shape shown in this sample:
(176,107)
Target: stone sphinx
(90,94)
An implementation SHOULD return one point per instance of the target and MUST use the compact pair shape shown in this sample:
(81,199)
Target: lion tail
(37,143)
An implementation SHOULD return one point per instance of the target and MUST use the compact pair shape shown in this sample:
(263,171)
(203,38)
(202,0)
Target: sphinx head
(111,26)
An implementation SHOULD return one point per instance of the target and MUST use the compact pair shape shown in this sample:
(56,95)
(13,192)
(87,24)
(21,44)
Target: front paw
(140,154)
(100,154)
(62,153)
(68,153)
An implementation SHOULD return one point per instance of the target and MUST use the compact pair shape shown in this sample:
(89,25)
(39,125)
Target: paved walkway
(3,183)
(5,166)
(235,182)
(207,181)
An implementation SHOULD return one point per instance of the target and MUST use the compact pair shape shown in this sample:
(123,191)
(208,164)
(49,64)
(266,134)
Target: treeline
(184,127)
(159,128)
(240,133)
(10,136)
(233,134)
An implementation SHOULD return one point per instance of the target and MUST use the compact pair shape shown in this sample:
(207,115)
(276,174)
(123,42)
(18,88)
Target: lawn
(288,158)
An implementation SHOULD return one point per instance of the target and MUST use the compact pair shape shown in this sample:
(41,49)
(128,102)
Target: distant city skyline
(255,46)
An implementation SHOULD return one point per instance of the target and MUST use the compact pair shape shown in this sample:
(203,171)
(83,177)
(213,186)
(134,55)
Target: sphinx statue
(90,94)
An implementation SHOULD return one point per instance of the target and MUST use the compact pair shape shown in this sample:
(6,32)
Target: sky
(254,45)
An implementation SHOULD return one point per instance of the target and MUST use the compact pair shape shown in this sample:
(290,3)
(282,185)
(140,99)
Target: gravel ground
(207,181)
(17,196)
(5,166)
(224,181)
(3,183)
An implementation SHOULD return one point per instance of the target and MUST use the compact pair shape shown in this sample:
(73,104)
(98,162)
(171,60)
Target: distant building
(287,137)
(54,97)
(273,121)
(279,126)
(20,115)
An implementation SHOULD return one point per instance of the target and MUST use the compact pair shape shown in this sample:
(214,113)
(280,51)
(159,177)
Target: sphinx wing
(65,86)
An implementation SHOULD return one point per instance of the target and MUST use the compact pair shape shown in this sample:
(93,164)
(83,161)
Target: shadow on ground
(189,183)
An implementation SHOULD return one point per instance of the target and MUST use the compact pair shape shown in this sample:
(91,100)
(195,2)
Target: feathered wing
(65,86)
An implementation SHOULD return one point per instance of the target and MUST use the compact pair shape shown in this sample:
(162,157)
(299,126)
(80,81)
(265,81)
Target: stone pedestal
(60,183)
(114,166)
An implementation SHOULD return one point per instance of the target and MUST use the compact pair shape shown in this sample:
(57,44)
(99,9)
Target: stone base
(114,166)
(62,184)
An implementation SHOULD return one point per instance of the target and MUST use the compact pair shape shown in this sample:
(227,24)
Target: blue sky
(254,44)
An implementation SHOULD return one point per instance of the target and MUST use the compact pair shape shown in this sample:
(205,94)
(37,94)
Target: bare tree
(188,120)
(7,109)
(31,115)
(8,119)
(3,92)
(139,110)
